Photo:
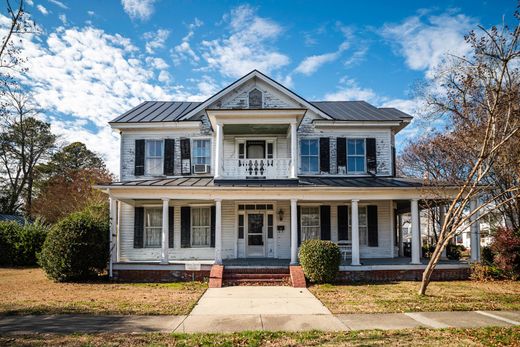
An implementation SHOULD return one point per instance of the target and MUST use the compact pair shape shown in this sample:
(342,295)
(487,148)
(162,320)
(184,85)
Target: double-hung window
(356,156)
(309,156)
(201,152)
(154,157)
(310,222)
(362,225)
(152,227)
(200,226)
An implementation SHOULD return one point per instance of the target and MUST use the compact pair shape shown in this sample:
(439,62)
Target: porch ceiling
(255,129)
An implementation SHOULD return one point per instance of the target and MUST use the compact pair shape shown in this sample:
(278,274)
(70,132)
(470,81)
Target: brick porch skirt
(401,275)
(159,275)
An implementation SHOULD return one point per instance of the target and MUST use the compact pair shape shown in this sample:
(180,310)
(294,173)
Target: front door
(255,235)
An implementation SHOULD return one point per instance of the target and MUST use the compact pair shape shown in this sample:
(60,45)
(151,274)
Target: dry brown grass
(411,337)
(403,297)
(29,291)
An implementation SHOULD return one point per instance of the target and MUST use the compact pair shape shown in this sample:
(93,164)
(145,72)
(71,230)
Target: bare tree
(481,102)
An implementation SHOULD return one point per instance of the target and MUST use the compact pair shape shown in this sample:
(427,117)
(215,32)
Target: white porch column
(294,232)
(165,227)
(475,232)
(218,231)
(400,230)
(355,233)
(218,150)
(294,152)
(416,233)
(442,213)
(113,234)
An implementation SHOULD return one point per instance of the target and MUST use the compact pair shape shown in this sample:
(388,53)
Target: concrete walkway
(254,308)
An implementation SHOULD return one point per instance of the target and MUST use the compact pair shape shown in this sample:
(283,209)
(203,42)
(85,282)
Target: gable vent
(255,99)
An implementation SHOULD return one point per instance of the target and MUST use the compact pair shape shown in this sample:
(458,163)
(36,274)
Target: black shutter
(372,226)
(139,158)
(169,155)
(341,152)
(185,227)
(371,155)
(212,229)
(394,164)
(299,224)
(185,157)
(138,227)
(324,154)
(325,222)
(171,212)
(342,223)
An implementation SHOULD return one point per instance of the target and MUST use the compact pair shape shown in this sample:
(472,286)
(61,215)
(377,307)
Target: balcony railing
(256,168)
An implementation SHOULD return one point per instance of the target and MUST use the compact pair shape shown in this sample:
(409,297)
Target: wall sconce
(280,214)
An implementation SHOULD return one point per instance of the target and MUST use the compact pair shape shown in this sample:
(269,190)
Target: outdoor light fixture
(280,214)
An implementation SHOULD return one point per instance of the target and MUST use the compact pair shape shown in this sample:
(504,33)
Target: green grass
(410,337)
(403,297)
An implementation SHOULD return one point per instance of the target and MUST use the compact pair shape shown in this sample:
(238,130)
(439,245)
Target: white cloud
(42,10)
(138,9)
(59,4)
(63,18)
(91,13)
(349,90)
(183,51)
(247,47)
(155,40)
(424,41)
(157,63)
(311,64)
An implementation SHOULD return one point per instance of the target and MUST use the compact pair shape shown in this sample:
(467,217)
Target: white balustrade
(256,168)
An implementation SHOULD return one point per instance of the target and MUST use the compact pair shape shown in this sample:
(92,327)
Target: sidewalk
(233,309)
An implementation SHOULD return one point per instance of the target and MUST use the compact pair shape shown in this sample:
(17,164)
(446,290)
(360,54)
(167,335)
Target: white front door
(255,240)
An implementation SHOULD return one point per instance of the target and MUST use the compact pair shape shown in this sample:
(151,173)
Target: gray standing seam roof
(173,111)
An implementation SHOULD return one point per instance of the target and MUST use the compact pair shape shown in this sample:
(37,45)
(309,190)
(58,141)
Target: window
(356,156)
(201,152)
(152,227)
(309,155)
(363,224)
(310,222)
(154,157)
(200,226)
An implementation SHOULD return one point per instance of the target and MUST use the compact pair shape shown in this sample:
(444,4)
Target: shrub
(454,252)
(76,247)
(19,244)
(506,249)
(484,272)
(487,255)
(320,260)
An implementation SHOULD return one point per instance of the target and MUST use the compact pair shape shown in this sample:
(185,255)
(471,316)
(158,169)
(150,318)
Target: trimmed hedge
(20,244)
(76,248)
(320,260)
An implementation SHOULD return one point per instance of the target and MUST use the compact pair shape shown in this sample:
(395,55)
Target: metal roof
(303,181)
(173,111)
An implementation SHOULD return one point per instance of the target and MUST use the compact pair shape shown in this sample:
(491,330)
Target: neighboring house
(12,218)
(251,173)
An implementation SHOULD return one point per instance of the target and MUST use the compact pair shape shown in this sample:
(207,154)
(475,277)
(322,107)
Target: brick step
(248,270)
(230,276)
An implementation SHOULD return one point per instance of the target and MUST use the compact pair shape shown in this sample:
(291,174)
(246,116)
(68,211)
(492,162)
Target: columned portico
(294,232)
(164,234)
(416,233)
(218,231)
(355,233)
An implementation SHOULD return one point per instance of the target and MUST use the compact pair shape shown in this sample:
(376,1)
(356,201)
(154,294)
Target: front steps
(256,276)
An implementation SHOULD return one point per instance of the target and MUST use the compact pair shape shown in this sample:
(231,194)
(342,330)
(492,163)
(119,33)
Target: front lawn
(414,337)
(28,291)
(402,296)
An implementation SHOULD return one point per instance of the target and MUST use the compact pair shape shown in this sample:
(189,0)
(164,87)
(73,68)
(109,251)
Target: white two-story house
(245,176)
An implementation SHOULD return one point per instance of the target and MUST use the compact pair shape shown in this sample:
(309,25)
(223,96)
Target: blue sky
(96,59)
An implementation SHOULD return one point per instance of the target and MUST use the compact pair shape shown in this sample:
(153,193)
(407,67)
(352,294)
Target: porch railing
(256,168)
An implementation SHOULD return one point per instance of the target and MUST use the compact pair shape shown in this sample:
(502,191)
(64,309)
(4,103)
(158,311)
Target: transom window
(152,227)
(310,222)
(309,155)
(356,156)
(154,157)
(200,226)
(201,152)
(362,224)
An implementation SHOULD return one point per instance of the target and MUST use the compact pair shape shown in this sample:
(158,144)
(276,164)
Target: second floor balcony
(256,168)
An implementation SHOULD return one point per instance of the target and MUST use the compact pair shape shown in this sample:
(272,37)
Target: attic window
(255,99)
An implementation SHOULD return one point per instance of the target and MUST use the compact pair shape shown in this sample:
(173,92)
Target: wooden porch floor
(271,262)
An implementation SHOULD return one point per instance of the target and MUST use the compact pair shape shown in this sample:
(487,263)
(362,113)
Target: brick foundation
(159,275)
(401,275)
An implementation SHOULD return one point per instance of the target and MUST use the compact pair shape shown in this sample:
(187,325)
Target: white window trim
(364,171)
(145,228)
(301,220)
(146,158)
(300,155)
(191,227)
